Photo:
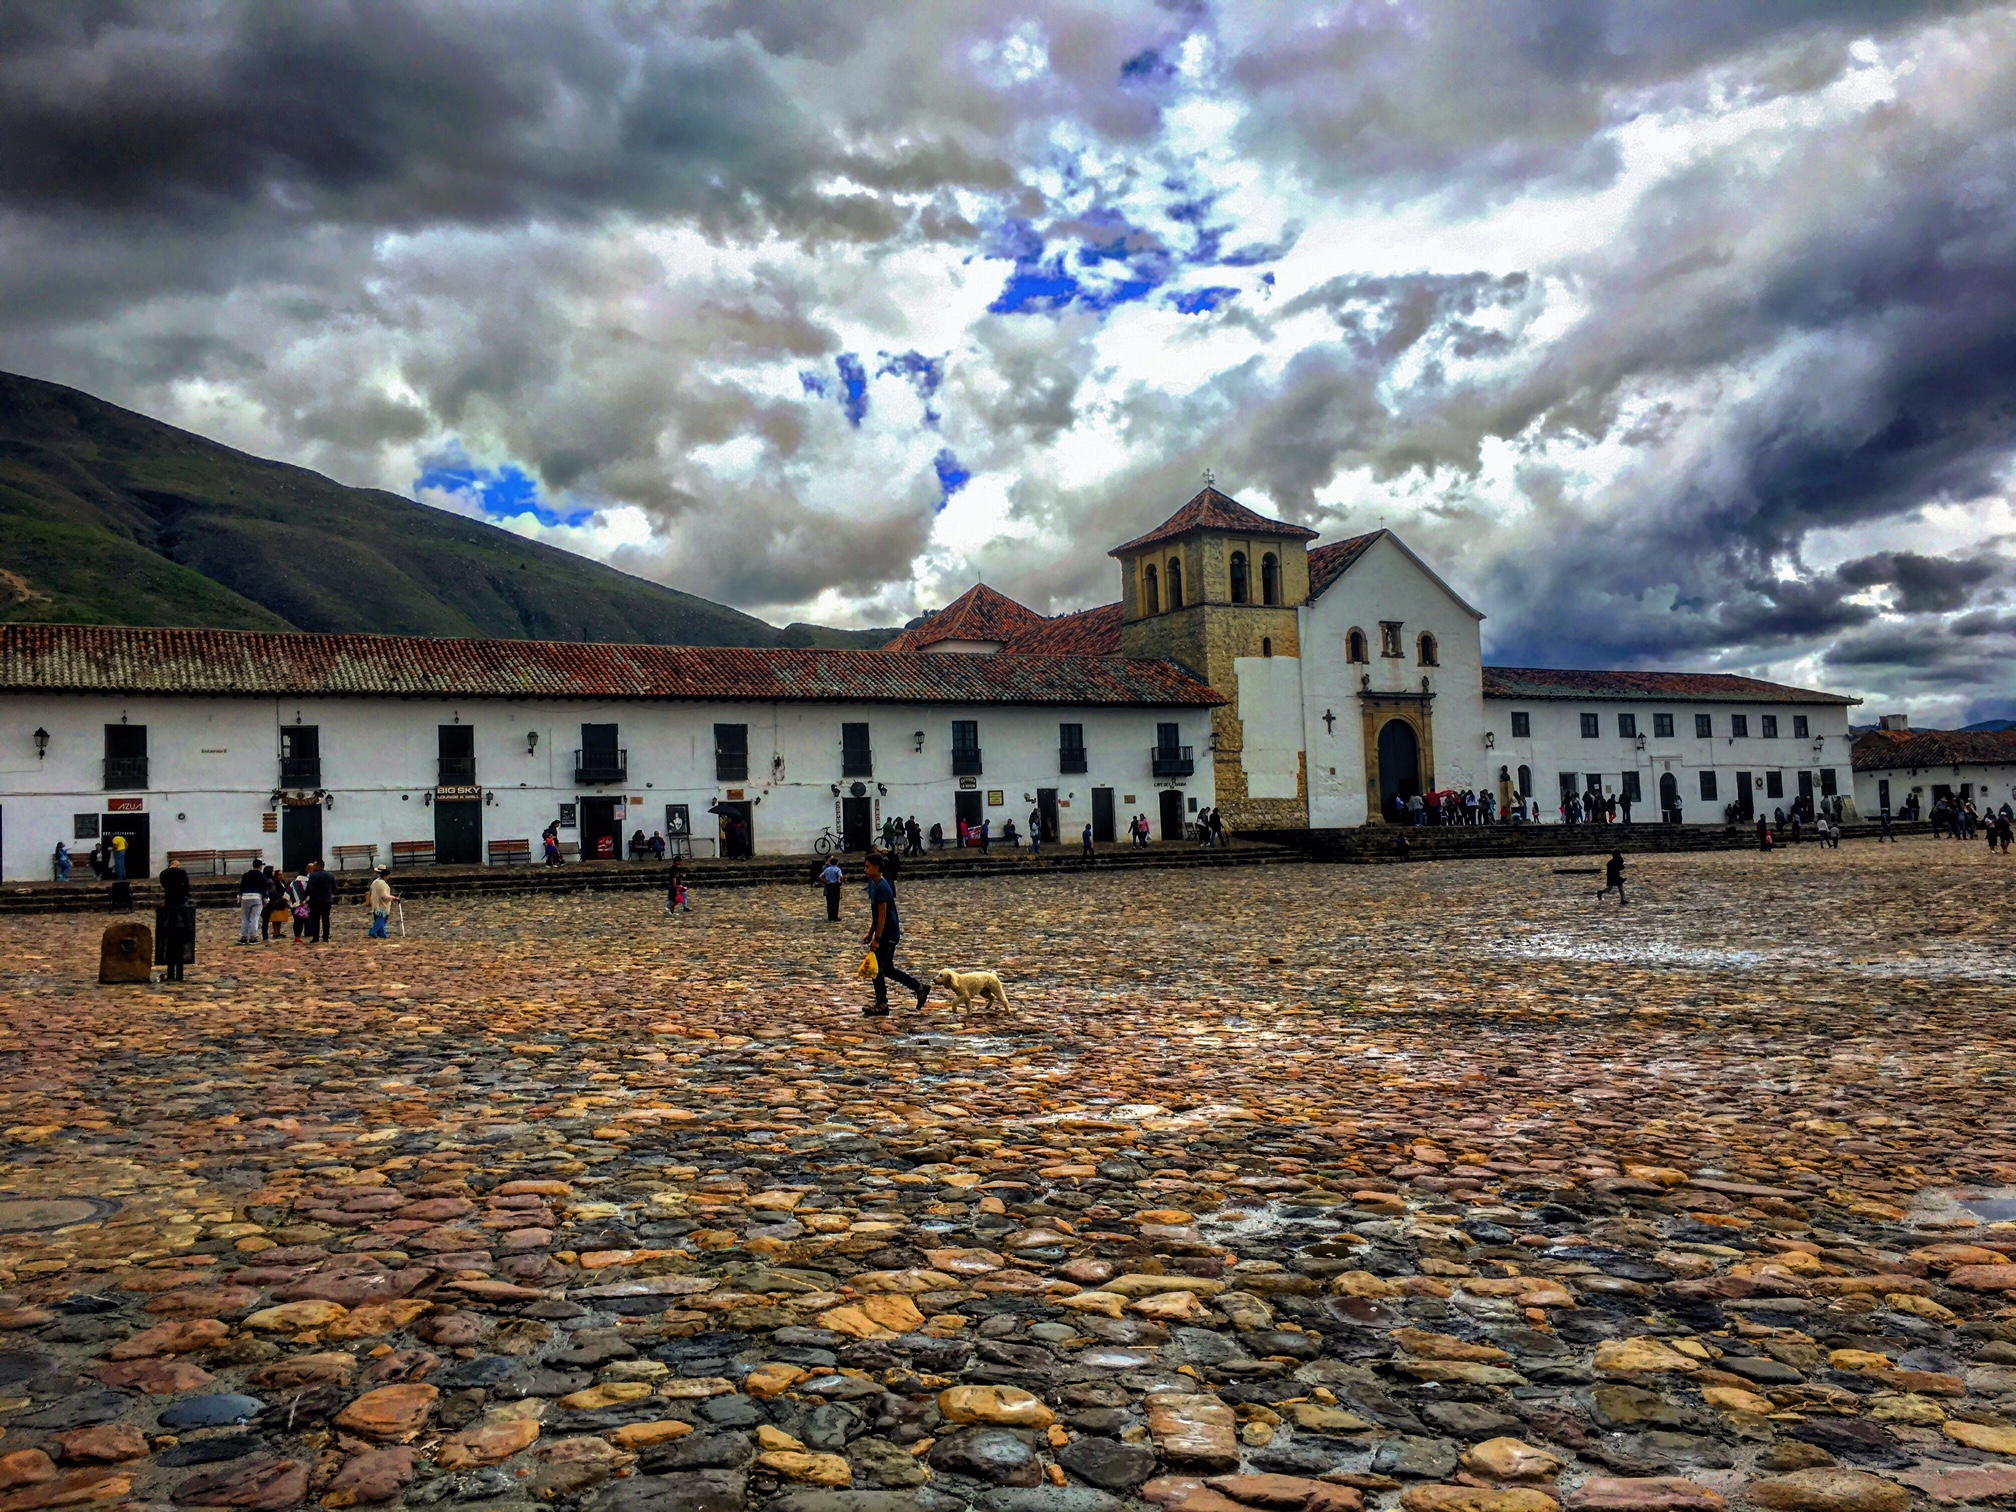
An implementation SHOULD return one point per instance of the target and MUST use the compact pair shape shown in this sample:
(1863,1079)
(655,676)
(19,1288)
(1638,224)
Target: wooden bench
(202,863)
(238,862)
(570,850)
(412,853)
(510,852)
(345,854)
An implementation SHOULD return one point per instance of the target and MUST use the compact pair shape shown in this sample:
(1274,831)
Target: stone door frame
(1418,712)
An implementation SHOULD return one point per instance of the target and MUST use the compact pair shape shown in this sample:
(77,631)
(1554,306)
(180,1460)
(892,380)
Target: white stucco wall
(1386,584)
(1990,786)
(214,764)
(1270,714)
(1557,745)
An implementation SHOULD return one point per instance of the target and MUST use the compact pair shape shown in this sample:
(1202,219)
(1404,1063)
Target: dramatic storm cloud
(1682,335)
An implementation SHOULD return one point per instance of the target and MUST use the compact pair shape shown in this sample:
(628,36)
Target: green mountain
(110,518)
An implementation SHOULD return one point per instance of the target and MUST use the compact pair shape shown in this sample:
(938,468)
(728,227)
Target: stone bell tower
(1215,589)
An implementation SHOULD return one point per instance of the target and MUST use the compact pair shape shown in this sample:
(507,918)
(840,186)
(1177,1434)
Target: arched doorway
(1399,764)
(1669,799)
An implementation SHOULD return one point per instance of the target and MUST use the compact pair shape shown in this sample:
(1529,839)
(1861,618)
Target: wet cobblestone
(1440,1187)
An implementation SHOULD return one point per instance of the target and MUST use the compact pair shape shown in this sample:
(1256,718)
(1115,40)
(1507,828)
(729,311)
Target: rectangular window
(125,757)
(84,826)
(1883,793)
(1739,724)
(1631,788)
(301,756)
(1590,728)
(1662,726)
(966,748)
(1774,784)
(1571,784)
(1703,727)
(857,759)
(1827,787)
(1522,725)
(1769,729)
(1167,737)
(1707,785)
(1389,637)
(1070,748)
(1627,726)
(731,753)
(1800,729)
(455,755)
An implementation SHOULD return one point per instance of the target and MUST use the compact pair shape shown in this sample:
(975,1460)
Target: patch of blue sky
(922,373)
(854,386)
(951,476)
(1147,67)
(814,384)
(500,493)
(1203,301)
(1112,264)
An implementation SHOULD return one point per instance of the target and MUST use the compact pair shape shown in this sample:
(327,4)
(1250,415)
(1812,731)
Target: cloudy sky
(1680,334)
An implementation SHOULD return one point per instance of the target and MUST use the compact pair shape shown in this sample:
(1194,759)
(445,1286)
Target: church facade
(1352,678)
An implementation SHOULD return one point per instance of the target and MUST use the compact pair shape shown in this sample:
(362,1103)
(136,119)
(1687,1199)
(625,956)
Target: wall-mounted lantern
(919,739)
(531,742)
(41,742)
(1490,740)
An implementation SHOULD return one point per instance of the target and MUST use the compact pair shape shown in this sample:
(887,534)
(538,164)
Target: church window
(1590,727)
(1827,782)
(1522,727)
(1266,645)
(1662,726)
(1150,598)
(1175,584)
(1427,650)
(1355,647)
(1270,579)
(1707,787)
(1774,784)
(1389,638)
(1633,790)
(1525,782)
(1238,577)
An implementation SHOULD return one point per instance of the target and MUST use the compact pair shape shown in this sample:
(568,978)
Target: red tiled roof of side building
(1089,632)
(978,614)
(1886,750)
(1694,687)
(1328,563)
(112,659)
(1212,510)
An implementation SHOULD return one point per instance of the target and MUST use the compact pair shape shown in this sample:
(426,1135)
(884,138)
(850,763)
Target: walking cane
(402,918)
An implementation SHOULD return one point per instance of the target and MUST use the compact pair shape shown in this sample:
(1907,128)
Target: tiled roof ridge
(1885,750)
(1211,509)
(142,660)
(1710,687)
(980,613)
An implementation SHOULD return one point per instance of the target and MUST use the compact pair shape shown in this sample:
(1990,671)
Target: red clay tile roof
(109,659)
(1212,510)
(1883,750)
(978,614)
(1089,632)
(1327,563)
(1694,687)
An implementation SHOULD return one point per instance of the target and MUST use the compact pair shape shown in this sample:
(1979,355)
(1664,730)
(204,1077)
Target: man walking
(321,899)
(251,903)
(1086,837)
(831,878)
(382,899)
(884,931)
(1885,816)
(1613,877)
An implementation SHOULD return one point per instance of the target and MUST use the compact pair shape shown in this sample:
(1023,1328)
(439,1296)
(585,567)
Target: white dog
(967,985)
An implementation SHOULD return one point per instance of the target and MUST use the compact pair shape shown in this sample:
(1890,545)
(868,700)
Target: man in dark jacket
(175,923)
(251,903)
(321,898)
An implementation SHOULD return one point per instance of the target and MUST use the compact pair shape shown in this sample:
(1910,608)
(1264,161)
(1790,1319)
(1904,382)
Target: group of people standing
(1962,821)
(1454,806)
(107,859)
(268,903)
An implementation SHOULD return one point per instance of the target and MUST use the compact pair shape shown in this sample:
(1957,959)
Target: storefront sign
(124,805)
(458,795)
(996,798)
(968,784)
(735,795)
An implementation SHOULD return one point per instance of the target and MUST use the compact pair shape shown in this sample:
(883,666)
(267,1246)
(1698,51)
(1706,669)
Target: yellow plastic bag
(867,968)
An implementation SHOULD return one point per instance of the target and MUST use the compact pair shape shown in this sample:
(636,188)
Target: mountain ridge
(108,516)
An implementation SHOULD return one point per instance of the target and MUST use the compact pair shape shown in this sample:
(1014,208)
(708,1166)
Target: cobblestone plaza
(1441,1185)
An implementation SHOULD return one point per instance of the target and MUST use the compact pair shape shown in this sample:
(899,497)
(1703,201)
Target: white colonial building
(1909,771)
(1293,685)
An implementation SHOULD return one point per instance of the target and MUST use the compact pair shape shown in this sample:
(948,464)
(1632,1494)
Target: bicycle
(826,844)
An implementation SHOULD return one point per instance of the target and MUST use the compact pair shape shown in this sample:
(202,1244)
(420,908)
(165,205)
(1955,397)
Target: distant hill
(110,518)
(1992,725)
